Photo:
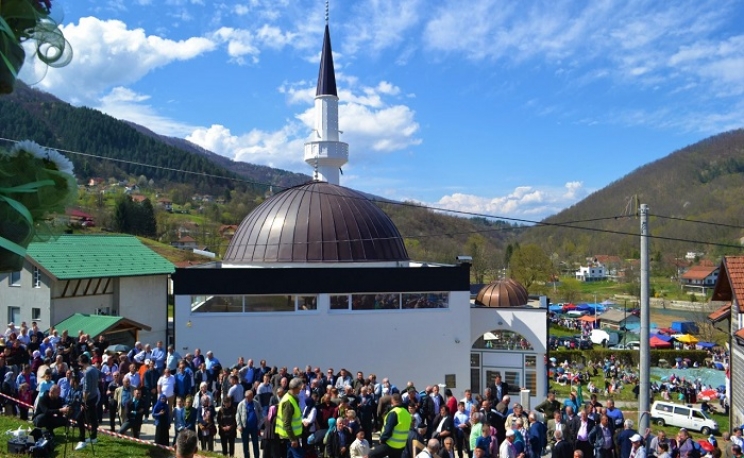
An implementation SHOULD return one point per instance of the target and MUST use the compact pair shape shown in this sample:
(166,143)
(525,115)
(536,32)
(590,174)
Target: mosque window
(251,304)
(426,301)
(340,302)
(375,301)
(530,381)
(307,303)
(503,340)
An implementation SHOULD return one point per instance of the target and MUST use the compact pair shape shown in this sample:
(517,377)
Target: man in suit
(499,389)
(562,448)
(581,430)
(573,421)
(558,424)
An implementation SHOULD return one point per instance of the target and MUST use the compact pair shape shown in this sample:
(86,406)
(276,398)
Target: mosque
(318,274)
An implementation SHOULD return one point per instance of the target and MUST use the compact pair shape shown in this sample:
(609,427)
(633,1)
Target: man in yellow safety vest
(394,431)
(289,420)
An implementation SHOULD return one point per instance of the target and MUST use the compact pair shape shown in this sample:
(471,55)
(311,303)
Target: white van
(682,416)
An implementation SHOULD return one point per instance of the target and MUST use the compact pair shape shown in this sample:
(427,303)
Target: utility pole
(645,369)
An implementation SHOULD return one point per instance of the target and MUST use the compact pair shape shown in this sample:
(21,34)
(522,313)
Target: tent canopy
(655,342)
(685,338)
(706,344)
(662,337)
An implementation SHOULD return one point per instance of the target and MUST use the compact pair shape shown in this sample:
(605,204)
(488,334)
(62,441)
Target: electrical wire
(567,224)
(686,220)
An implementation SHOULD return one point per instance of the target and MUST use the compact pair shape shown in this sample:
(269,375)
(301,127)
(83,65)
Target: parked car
(633,345)
(682,416)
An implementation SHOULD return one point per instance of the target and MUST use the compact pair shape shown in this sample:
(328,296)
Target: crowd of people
(308,412)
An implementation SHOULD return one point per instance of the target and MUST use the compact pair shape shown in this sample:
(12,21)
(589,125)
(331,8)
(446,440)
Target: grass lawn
(106,446)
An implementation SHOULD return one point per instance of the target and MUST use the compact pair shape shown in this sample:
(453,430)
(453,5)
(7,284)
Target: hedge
(628,356)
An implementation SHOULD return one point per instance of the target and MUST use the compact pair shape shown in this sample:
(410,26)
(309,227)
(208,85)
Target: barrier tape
(100,430)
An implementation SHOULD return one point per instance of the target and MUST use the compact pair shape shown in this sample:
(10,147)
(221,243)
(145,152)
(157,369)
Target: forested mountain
(703,182)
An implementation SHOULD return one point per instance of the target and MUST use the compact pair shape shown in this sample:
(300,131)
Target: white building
(89,274)
(318,274)
(592,272)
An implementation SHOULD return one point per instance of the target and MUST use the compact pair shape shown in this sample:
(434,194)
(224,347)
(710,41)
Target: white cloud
(240,43)
(637,38)
(108,54)
(282,148)
(381,24)
(370,124)
(124,103)
(527,202)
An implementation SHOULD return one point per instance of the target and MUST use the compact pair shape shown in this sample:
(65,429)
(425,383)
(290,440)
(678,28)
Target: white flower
(63,164)
(30,147)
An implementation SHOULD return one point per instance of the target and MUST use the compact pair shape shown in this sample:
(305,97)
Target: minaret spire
(323,151)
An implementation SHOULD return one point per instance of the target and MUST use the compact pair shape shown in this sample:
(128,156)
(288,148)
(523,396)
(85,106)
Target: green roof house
(89,274)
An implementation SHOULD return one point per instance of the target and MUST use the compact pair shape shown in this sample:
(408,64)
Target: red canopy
(655,342)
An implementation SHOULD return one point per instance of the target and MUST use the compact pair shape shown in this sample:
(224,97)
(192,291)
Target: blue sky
(512,108)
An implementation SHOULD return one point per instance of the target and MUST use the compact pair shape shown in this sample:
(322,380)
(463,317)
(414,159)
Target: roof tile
(95,256)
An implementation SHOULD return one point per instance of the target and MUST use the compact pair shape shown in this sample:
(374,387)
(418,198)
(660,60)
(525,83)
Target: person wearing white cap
(507,449)
(638,450)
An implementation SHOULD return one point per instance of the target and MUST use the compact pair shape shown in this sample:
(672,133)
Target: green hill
(703,181)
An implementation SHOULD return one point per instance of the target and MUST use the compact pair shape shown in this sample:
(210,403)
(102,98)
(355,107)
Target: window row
(291,303)
(247,304)
(390,301)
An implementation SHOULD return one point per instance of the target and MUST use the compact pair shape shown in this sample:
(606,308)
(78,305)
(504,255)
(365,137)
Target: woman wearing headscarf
(205,418)
(162,416)
(331,448)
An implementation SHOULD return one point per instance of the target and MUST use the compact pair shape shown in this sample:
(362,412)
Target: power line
(267,185)
(711,223)
(567,224)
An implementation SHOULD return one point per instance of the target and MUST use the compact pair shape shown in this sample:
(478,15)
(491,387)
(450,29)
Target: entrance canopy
(117,329)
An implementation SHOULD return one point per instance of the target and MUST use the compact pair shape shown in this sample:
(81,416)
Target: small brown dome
(501,294)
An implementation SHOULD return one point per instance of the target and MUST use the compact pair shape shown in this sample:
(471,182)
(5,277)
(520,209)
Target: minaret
(323,150)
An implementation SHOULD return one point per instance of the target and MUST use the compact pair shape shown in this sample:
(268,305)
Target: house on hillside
(613,265)
(91,274)
(227,231)
(729,288)
(592,272)
(138,198)
(700,278)
(185,243)
(166,204)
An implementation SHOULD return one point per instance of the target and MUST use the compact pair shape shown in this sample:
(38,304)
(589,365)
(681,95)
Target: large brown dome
(501,294)
(316,222)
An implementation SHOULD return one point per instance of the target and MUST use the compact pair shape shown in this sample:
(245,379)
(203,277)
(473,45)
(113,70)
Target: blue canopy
(663,337)
(556,308)
(583,307)
(705,344)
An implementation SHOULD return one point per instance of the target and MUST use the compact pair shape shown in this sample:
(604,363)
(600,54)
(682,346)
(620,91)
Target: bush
(628,356)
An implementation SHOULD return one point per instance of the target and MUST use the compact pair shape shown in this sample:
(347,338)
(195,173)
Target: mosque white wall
(530,322)
(420,345)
